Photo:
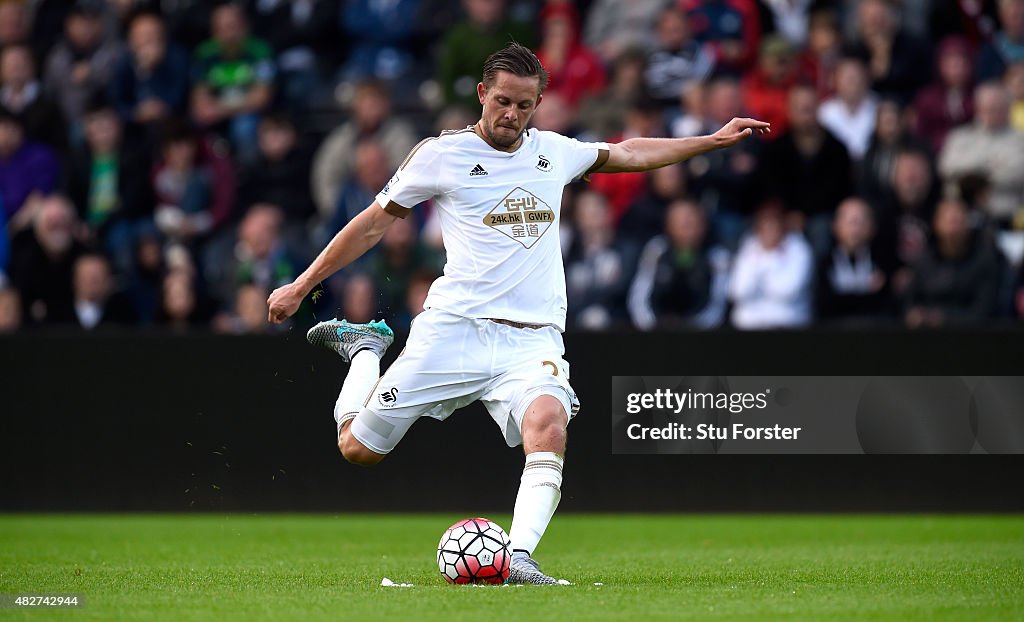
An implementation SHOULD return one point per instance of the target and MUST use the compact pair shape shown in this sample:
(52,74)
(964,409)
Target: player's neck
(483,136)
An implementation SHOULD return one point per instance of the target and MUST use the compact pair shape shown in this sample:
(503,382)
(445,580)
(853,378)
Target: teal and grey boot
(526,570)
(348,339)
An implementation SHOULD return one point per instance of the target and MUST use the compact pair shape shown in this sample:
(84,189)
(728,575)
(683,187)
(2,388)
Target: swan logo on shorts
(388,398)
(522,216)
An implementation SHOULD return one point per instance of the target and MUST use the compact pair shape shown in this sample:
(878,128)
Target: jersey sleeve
(415,181)
(579,157)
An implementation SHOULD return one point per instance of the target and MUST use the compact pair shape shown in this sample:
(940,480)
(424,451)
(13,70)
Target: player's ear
(540,97)
(481,90)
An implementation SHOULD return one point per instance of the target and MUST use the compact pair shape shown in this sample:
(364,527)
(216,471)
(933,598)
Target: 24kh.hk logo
(522,216)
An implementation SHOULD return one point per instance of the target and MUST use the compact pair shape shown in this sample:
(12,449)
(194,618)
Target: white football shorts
(450,362)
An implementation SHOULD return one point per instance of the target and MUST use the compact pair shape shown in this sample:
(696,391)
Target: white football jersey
(499,215)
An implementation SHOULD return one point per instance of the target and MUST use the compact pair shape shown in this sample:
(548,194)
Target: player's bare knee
(544,426)
(355,452)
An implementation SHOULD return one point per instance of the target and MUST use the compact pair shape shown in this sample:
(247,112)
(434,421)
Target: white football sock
(362,375)
(539,491)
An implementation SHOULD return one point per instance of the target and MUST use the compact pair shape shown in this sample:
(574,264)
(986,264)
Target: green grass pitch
(653,567)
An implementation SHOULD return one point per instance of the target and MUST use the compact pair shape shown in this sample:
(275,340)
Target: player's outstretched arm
(360,235)
(644,154)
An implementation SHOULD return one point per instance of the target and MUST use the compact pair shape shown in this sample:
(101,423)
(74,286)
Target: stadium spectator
(891,136)
(906,211)
(467,44)
(597,267)
(248,316)
(731,27)
(693,111)
(807,167)
(645,218)
(681,280)
(399,256)
(22,95)
(10,310)
(96,303)
(853,279)
(150,81)
(823,51)
(233,77)
(1006,46)
(990,147)
(850,116)
(573,70)
(14,24)
(42,258)
(556,115)
(380,36)
(193,184)
(359,299)
(975,20)
(415,296)
(643,118)
(49,18)
(772,276)
(108,182)
(1014,81)
(454,118)
(146,281)
(790,19)
(766,87)
(370,174)
(80,64)
(370,117)
(613,27)
(725,182)
(187,22)
(304,37)
(181,307)
(26,168)
(676,59)
(898,63)
(280,176)
(957,279)
(601,114)
(947,102)
(259,256)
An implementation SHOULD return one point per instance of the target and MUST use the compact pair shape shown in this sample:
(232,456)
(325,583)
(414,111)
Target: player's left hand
(739,128)
(284,302)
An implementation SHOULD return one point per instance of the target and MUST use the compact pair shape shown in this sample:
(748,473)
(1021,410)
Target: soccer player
(491,329)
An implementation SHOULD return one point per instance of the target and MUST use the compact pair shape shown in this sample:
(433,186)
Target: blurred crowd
(169,163)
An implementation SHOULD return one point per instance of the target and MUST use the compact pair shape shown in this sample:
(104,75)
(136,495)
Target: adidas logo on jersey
(477,171)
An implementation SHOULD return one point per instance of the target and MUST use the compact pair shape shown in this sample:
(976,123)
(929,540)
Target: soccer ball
(474,550)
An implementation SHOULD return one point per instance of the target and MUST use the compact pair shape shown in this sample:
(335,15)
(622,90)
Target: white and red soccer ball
(474,550)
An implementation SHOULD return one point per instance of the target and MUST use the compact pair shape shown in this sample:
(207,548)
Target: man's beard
(501,140)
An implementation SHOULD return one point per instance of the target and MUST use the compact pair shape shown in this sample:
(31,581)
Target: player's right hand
(739,128)
(284,302)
